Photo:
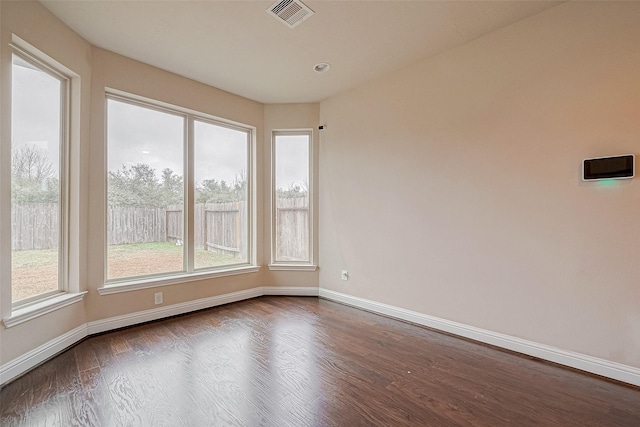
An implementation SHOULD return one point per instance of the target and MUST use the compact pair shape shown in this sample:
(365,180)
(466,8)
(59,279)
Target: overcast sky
(142,135)
(292,161)
(35,105)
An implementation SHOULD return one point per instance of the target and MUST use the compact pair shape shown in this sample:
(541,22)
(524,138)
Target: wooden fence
(292,229)
(173,223)
(126,224)
(34,226)
(220,227)
(224,228)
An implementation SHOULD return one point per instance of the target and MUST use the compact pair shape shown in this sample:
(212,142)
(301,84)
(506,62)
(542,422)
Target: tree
(136,185)
(139,185)
(30,163)
(294,191)
(213,191)
(240,185)
(32,176)
(172,188)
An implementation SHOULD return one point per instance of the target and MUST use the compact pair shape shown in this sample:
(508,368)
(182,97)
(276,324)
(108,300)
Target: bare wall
(452,187)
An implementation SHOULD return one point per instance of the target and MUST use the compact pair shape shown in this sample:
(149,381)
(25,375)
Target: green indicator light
(608,182)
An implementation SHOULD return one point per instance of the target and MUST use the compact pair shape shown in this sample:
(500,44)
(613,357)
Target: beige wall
(452,187)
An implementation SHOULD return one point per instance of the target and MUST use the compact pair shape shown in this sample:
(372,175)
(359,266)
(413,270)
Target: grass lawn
(33,272)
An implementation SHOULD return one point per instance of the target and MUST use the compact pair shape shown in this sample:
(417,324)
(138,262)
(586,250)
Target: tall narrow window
(221,161)
(291,194)
(145,191)
(38,179)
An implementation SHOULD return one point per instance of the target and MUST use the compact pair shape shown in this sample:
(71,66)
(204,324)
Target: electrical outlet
(345,275)
(158,298)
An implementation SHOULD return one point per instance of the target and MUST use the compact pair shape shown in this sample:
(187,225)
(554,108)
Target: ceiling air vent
(290,12)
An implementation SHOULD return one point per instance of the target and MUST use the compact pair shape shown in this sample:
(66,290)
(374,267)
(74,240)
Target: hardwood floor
(302,361)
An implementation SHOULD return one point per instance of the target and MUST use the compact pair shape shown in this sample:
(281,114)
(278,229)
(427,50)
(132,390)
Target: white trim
(41,308)
(174,109)
(579,361)
(291,291)
(594,365)
(131,319)
(308,132)
(125,320)
(47,65)
(293,267)
(135,285)
(33,358)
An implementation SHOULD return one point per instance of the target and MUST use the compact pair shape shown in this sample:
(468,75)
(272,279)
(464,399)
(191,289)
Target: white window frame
(39,61)
(189,272)
(306,265)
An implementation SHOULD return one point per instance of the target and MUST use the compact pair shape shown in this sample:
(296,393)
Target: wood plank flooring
(303,361)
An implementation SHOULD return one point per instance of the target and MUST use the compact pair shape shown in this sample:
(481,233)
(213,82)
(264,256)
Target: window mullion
(189,218)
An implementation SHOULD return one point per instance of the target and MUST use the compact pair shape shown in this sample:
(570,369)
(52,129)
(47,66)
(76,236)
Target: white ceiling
(238,47)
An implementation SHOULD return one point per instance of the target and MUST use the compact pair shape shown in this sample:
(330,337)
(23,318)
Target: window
(39,162)
(154,228)
(221,212)
(145,191)
(292,219)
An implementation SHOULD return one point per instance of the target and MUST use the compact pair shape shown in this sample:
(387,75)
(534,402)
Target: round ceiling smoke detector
(322,67)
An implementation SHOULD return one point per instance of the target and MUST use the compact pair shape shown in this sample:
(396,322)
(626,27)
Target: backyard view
(292,224)
(36,129)
(145,197)
(33,269)
(35,262)
(145,191)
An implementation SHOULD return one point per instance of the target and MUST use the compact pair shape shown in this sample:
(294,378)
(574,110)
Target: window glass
(221,198)
(292,219)
(37,129)
(148,211)
(145,191)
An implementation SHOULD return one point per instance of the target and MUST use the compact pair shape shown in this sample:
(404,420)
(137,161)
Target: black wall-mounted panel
(617,167)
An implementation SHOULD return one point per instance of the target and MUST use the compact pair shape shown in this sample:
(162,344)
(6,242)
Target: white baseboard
(594,365)
(292,291)
(33,358)
(131,319)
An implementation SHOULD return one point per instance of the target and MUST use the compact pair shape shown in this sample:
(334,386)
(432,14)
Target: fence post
(205,227)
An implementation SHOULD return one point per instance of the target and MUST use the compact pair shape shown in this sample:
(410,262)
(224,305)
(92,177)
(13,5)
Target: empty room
(319,213)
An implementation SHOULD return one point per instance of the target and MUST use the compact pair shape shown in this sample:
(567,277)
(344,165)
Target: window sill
(293,267)
(135,285)
(41,308)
